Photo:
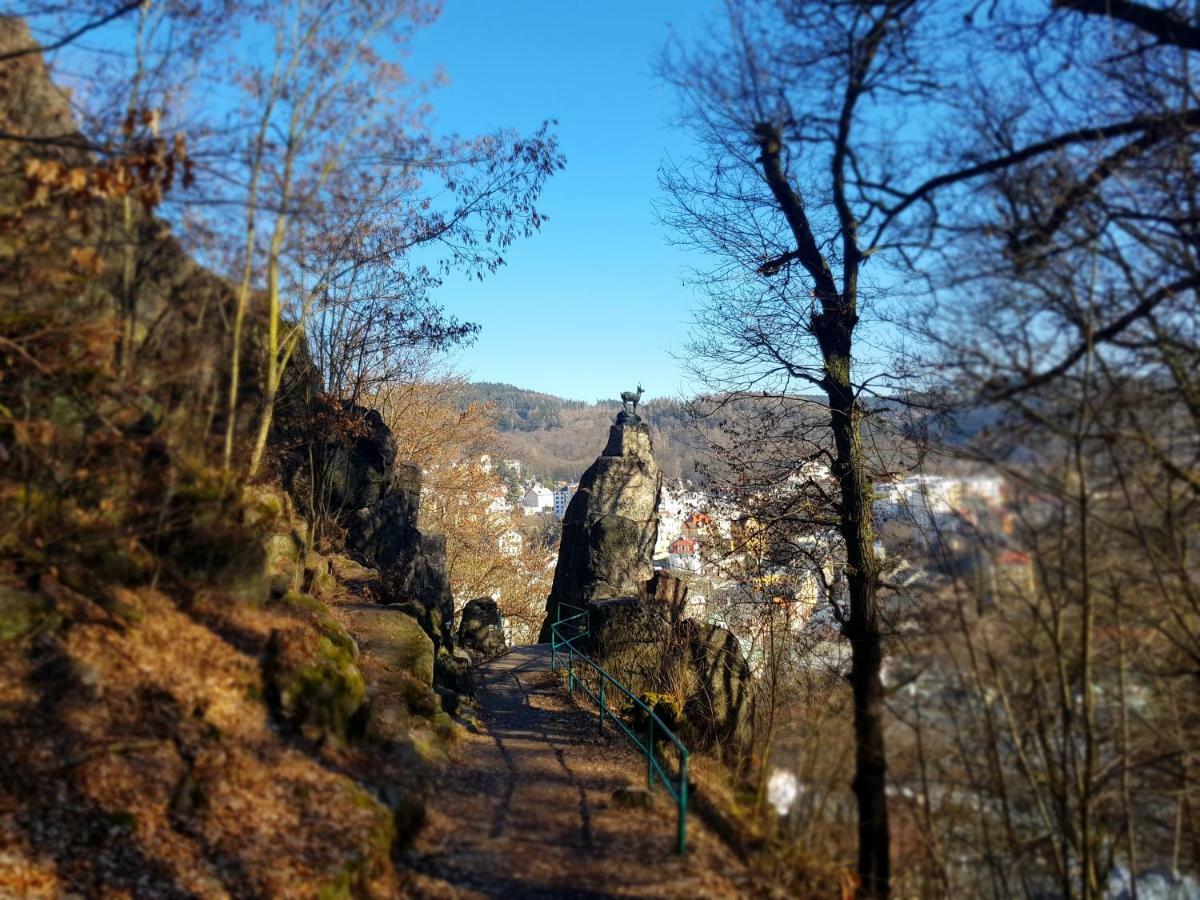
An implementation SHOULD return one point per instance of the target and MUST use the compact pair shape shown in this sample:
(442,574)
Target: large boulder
(430,583)
(386,530)
(479,629)
(718,697)
(354,472)
(668,591)
(630,639)
(611,524)
(313,682)
(393,640)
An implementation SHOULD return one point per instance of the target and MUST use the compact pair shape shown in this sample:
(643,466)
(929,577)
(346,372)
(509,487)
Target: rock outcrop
(636,628)
(700,665)
(397,662)
(611,524)
(479,628)
(199,692)
(378,499)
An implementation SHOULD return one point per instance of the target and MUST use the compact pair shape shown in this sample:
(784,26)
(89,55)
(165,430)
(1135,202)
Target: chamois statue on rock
(633,397)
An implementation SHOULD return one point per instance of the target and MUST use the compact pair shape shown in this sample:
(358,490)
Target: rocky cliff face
(607,547)
(377,497)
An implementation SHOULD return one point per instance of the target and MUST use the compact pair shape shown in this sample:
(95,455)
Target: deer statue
(633,397)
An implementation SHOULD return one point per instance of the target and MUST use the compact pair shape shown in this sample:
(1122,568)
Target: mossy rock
(283,552)
(315,687)
(22,613)
(312,679)
(312,609)
(264,504)
(398,665)
(319,579)
(324,586)
(372,855)
(454,672)
(346,569)
(395,640)
(419,698)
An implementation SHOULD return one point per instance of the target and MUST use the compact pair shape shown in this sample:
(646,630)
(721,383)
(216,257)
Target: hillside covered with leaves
(199,695)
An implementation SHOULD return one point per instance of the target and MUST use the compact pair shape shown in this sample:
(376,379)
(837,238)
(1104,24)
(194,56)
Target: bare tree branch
(1162,24)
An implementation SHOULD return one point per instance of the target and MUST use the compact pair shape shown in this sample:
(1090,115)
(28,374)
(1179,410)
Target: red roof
(1012,558)
(682,547)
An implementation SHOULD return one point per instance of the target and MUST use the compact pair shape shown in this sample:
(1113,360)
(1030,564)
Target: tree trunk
(833,330)
(833,327)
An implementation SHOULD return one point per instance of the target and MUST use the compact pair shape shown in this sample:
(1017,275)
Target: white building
(498,506)
(537,500)
(684,555)
(562,497)
(669,527)
(989,488)
(926,499)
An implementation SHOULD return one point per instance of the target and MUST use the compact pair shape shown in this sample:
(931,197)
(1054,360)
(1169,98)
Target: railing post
(683,799)
(570,671)
(602,704)
(650,754)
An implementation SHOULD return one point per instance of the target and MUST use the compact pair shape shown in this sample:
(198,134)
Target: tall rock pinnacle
(608,535)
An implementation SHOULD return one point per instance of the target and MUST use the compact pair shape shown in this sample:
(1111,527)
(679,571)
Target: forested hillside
(556,439)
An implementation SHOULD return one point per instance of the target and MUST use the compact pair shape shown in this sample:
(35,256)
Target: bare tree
(780,106)
(807,173)
(1064,315)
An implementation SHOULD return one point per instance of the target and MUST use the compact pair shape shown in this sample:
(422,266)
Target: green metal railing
(574,627)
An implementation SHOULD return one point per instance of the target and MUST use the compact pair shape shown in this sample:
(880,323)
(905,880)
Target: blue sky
(596,301)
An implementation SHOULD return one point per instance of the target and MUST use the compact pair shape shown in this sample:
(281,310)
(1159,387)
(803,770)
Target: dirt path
(527,808)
